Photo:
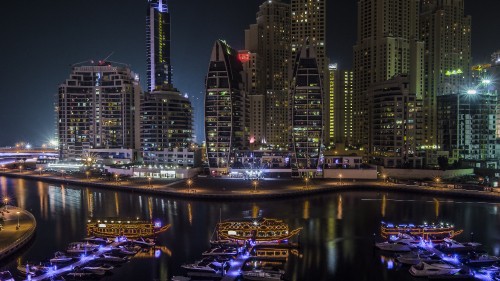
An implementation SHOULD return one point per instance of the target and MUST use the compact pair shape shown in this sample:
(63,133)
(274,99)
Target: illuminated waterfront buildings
(96,108)
(225,108)
(166,123)
(306,102)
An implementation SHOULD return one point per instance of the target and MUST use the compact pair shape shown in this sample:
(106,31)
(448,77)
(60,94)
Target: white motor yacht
(111,258)
(98,240)
(260,275)
(450,245)
(60,257)
(416,258)
(481,260)
(424,269)
(205,265)
(6,276)
(98,270)
(81,247)
(221,251)
(399,246)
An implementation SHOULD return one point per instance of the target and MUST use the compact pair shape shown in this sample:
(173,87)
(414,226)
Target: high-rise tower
(97,109)
(226,111)
(309,23)
(387,46)
(447,36)
(269,39)
(159,68)
(306,112)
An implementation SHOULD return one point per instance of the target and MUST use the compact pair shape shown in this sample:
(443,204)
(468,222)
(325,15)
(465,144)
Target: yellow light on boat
(102,225)
(231,232)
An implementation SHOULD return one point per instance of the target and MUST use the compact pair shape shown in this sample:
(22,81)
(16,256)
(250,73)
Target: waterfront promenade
(230,188)
(19,226)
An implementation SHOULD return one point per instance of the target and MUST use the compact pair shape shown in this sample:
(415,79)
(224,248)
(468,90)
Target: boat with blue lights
(435,233)
(131,229)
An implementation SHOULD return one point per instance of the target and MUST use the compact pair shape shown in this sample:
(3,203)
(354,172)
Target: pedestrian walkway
(18,227)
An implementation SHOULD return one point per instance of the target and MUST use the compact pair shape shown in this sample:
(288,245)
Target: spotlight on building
(471,92)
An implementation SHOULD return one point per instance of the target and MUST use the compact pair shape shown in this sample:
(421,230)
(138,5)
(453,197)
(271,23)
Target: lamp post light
(307,182)
(62,173)
(340,179)
(18,225)
(6,201)
(149,181)
(40,170)
(255,183)
(20,168)
(116,178)
(189,183)
(385,178)
(87,173)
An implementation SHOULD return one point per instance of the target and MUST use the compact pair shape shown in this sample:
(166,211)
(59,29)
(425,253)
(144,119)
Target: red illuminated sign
(244,57)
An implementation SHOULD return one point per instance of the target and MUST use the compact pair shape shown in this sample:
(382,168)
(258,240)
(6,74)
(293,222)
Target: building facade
(97,109)
(467,125)
(395,124)
(226,110)
(446,32)
(306,113)
(166,123)
(159,67)
(387,46)
(270,38)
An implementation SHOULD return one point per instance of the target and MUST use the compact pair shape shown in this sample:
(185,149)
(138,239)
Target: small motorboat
(98,240)
(98,270)
(60,257)
(144,242)
(208,265)
(181,278)
(81,248)
(414,258)
(32,270)
(261,275)
(390,246)
(425,269)
(6,276)
(452,246)
(79,274)
(111,258)
(221,251)
(125,250)
(478,260)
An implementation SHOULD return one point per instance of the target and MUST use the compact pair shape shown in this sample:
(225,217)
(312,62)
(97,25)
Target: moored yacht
(261,275)
(98,270)
(425,269)
(221,251)
(6,276)
(98,240)
(111,258)
(60,257)
(414,258)
(81,247)
(478,260)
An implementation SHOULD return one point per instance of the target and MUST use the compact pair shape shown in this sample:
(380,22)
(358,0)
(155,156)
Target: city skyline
(43,40)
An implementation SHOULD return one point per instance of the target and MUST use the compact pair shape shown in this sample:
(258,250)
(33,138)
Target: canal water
(336,242)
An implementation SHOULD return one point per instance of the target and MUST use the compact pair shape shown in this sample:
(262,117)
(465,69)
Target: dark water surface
(336,240)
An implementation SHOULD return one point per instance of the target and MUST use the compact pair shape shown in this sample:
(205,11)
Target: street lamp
(62,173)
(40,170)
(340,179)
(149,181)
(87,173)
(385,178)
(255,183)
(307,182)
(20,168)
(189,183)
(18,225)
(116,178)
(6,201)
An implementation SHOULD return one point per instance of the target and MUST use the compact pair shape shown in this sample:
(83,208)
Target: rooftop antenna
(108,56)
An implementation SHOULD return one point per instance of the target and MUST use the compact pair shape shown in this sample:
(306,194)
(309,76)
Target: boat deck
(82,261)
(234,271)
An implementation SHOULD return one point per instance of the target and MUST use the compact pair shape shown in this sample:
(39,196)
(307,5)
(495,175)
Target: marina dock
(234,271)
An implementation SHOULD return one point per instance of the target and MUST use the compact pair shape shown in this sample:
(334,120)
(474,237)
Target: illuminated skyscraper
(387,46)
(447,36)
(97,109)
(159,68)
(269,40)
(166,123)
(306,112)
(339,107)
(226,111)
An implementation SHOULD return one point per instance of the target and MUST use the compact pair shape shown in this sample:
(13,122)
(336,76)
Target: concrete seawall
(12,237)
(292,189)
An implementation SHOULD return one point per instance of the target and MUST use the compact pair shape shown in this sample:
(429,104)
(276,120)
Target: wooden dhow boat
(131,229)
(428,232)
(258,230)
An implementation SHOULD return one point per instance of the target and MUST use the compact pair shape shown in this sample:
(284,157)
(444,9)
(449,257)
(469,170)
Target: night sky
(41,39)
